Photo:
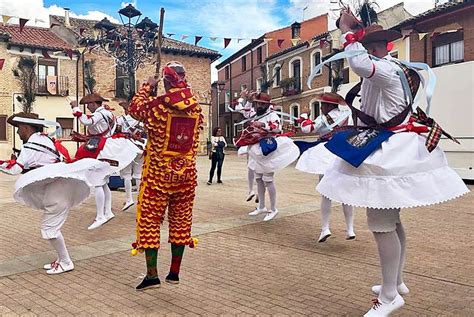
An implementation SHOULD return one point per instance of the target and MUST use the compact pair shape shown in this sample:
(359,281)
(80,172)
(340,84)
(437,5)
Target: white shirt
(215,140)
(129,124)
(102,120)
(382,95)
(270,119)
(33,154)
(320,125)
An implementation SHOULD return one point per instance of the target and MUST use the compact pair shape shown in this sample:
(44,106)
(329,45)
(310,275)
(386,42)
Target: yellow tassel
(134,251)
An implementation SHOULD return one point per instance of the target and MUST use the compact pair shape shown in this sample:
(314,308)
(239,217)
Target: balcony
(53,86)
(290,86)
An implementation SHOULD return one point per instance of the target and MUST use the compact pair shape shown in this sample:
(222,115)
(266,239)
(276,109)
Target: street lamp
(220,88)
(131,44)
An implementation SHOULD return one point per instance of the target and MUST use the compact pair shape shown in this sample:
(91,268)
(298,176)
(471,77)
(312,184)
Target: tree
(89,76)
(26,75)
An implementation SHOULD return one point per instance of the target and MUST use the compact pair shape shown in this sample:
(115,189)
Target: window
(316,59)
(276,75)
(448,48)
(345,75)
(3,127)
(259,55)
(227,98)
(227,129)
(295,30)
(295,112)
(67,125)
(295,72)
(227,72)
(259,84)
(315,110)
(47,67)
(244,63)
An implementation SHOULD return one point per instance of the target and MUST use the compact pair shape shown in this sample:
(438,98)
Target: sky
(236,19)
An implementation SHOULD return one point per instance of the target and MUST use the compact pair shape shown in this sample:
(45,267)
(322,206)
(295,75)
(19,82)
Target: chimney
(66,17)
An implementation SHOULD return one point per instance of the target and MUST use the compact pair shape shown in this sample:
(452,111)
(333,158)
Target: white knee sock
(272,193)
(60,246)
(325,212)
(349,216)
(250,178)
(100,201)
(388,245)
(108,200)
(402,239)
(261,193)
(128,189)
(137,183)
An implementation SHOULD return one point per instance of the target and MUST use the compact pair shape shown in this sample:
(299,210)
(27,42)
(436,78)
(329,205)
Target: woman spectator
(217,154)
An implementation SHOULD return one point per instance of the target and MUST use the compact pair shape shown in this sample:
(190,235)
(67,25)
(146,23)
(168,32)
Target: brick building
(111,80)
(247,69)
(291,67)
(449,34)
(56,80)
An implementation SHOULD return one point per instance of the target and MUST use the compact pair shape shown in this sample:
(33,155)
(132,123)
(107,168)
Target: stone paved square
(242,266)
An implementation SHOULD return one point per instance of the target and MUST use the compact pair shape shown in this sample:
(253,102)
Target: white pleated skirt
(401,174)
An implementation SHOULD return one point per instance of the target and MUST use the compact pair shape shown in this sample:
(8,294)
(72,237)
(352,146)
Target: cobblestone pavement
(242,265)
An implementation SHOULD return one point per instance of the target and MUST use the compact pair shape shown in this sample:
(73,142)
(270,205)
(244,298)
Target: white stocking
(402,239)
(325,212)
(128,189)
(60,246)
(388,245)
(349,216)
(261,193)
(272,193)
(137,183)
(100,201)
(108,200)
(250,178)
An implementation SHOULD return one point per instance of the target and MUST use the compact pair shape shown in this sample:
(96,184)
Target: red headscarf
(175,74)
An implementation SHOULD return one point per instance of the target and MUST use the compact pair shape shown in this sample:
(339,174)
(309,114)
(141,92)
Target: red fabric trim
(62,150)
(11,163)
(77,114)
(373,71)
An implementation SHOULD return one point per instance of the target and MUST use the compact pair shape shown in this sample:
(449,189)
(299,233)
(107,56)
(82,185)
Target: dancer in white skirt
(381,170)
(101,144)
(134,129)
(267,153)
(317,159)
(50,185)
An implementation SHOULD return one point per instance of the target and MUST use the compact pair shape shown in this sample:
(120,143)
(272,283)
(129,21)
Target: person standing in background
(217,154)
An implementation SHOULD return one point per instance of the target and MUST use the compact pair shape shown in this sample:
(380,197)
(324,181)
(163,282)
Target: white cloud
(318,7)
(38,14)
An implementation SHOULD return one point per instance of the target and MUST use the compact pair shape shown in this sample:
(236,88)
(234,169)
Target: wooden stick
(160,42)
(158,53)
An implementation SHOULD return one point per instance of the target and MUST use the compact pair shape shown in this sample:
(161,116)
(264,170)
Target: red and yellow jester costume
(169,176)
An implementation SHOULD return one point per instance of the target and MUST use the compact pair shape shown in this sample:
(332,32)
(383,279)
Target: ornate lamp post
(132,44)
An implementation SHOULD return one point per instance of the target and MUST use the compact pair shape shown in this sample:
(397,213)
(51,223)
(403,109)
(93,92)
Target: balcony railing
(290,86)
(55,86)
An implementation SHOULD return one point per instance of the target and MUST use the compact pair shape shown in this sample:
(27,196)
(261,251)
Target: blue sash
(303,145)
(355,145)
(268,145)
